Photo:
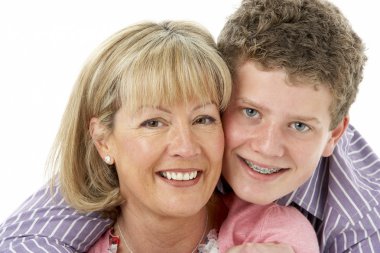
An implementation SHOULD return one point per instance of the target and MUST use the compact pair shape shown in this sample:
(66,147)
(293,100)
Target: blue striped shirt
(341,200)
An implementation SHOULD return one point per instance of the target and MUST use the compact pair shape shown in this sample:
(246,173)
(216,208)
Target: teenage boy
(296,66)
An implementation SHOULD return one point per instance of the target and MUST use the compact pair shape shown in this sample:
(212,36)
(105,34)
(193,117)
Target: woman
(141,140)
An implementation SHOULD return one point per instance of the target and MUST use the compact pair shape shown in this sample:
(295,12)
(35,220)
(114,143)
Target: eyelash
(159,123)
(293,125)
(210,120)
(245,111)
(147,123)
(256,113)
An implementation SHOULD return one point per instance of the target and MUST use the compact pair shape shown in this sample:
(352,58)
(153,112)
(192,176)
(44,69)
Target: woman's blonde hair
(144,64)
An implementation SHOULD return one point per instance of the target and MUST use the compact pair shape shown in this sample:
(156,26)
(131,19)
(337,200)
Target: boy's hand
(261,248)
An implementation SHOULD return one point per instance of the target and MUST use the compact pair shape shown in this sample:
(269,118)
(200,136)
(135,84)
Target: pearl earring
(107,160)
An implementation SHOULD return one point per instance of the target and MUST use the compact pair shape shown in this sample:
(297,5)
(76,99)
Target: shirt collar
(312,195)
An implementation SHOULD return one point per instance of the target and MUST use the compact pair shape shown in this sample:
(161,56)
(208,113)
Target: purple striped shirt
(45,223)
(341,200)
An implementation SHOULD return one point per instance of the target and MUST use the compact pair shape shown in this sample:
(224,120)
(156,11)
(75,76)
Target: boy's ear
(99,134)
(336,133)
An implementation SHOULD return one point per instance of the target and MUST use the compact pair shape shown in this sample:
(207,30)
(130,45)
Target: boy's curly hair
(310,39)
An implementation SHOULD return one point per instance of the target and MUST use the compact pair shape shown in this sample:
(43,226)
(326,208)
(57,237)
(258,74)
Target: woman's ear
(99,134)
(336,133)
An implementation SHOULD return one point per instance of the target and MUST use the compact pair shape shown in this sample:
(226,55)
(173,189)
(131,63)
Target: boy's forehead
(291,79)
(272,90)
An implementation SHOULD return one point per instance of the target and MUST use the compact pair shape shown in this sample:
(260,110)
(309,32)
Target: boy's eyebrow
(265,109)
(252,103)
(307,119)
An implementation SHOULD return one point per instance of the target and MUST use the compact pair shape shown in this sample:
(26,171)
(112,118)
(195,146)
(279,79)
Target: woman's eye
(249,112)
(152,123)
(205,120)
(300,127)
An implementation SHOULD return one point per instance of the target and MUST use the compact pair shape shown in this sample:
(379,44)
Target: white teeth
(261,170)
(180,176)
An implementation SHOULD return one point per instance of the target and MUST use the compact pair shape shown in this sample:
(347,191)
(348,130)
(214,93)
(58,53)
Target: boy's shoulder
(342,197)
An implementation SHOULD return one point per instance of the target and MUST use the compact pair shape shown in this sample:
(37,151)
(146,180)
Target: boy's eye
(151,123)
(300,127)
(205,120)
(249,112)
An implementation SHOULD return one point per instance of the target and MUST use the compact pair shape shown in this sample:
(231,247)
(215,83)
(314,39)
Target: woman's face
(168,158)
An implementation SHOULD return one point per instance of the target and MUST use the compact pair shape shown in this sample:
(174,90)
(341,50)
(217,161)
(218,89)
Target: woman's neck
(145,232)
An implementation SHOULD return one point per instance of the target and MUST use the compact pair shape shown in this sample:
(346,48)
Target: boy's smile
(275,132)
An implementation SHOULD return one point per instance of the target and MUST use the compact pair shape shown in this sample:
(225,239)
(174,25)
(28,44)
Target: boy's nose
(268,141)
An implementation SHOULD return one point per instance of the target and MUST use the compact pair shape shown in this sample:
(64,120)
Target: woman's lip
(181,182)
(179,176)
(180,170)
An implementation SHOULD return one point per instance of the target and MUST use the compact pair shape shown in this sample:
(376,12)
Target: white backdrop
(44,43)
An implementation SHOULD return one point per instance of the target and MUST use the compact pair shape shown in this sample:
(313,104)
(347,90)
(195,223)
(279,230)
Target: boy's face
(275,134)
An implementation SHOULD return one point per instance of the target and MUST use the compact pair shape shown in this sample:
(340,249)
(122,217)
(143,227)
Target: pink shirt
(107,243)
(247,222)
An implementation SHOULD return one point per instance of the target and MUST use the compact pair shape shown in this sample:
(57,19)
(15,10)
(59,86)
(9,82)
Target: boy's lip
(262,168)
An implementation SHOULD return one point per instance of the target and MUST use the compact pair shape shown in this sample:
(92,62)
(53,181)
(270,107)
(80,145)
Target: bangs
(167,72)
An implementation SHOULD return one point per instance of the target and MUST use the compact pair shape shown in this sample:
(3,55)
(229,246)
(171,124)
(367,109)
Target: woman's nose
(184,143)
